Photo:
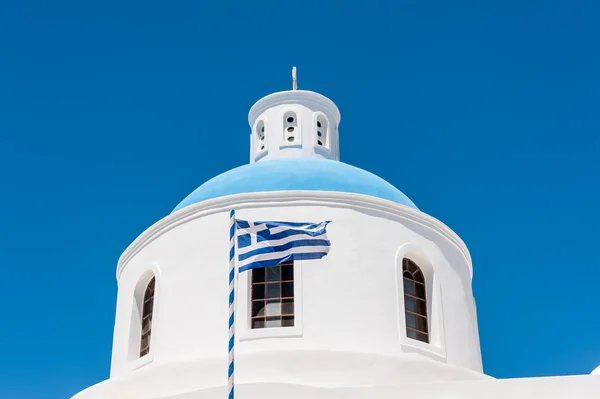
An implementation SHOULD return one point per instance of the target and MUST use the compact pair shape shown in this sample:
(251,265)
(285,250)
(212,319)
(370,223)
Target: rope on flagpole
(231,300)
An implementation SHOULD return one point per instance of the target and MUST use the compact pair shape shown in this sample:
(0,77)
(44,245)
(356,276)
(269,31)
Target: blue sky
(484,113)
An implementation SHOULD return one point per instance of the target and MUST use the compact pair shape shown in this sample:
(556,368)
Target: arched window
(322,131)
(147,318)
(260,136)
(415,303)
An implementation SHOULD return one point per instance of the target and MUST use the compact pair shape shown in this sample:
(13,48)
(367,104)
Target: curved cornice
(357,202)
(309,99)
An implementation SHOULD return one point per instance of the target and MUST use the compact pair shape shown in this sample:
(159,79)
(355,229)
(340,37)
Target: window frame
(244,330)
(436,347)
(136,295)
(298,133)
(324,149)
(149,315)
(416,279)
(256,142)
(265,301)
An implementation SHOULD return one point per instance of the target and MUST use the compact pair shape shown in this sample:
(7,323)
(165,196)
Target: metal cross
(294,80)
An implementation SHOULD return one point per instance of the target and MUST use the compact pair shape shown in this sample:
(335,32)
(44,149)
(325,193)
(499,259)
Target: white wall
(350,327)
(579,387)
(567,387)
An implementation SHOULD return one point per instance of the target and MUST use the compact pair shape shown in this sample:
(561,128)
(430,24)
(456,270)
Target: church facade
(388,313)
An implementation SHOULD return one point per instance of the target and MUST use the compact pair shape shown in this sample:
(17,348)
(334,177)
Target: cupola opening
(290,123)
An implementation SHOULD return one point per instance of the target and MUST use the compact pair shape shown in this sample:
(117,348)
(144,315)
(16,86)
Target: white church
(389,311)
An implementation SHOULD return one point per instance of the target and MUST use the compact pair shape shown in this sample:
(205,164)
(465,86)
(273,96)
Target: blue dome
(291,174)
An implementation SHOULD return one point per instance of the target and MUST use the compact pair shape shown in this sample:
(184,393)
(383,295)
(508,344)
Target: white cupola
(294,124)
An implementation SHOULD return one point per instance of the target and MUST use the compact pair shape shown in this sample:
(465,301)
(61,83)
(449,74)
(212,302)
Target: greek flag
(265,244)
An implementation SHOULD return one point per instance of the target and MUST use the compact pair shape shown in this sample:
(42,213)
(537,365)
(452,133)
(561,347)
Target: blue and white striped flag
(265,244)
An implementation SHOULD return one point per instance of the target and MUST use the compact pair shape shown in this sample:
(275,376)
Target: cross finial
(294,80)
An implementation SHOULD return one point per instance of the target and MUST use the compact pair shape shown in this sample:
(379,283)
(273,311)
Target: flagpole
(232,278)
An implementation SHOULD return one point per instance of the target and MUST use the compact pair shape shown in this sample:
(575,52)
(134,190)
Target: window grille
(415,302)
(147,318)
(272,293)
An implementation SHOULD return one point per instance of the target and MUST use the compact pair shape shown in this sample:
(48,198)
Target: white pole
(232,278)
